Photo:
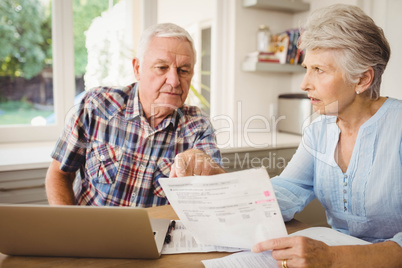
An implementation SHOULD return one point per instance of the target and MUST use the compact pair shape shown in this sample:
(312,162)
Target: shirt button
(344,209)
(345,184)
(344,201)
(344,191)
(102,157)
(345,176)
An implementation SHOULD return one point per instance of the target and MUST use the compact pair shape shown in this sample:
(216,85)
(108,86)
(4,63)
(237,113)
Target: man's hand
(194,162)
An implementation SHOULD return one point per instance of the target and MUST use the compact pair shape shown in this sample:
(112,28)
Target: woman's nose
(306,83)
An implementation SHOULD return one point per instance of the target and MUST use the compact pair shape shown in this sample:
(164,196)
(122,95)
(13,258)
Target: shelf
(290,6)
(271,67)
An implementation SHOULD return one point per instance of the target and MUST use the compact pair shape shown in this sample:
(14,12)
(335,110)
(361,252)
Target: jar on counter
(263,38)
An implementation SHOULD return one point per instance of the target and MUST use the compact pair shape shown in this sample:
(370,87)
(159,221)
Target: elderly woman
(350,158)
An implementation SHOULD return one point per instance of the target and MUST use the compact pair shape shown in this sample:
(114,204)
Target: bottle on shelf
(263,38)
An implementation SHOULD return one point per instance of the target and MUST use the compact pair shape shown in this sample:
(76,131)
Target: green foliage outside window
(84,12)
(26,35)
(23,38)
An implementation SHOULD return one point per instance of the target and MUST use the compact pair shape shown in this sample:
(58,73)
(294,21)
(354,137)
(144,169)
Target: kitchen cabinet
(23,186)
(274,160)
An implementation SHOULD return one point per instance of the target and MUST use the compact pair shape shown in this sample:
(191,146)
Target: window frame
(63,80)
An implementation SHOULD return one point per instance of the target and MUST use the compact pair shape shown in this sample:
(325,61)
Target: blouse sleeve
(294,187)
(397,238)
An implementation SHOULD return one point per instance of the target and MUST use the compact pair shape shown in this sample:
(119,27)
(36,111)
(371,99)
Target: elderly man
(122,140)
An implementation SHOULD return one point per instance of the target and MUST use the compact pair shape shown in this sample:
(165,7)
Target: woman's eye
(318,70)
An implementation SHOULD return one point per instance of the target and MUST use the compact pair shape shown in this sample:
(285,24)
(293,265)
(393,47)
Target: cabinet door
(274,160)
(23,186)
(281,159)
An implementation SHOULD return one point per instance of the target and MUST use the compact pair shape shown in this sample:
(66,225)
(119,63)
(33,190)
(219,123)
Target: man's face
(164,75)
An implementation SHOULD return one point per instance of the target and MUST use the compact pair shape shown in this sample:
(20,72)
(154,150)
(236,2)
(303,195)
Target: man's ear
(366,80)
(136,68)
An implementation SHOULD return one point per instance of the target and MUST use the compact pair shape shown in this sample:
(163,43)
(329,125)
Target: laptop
(80,231)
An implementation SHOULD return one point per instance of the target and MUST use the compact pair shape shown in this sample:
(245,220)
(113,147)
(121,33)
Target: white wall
(387,14)
(256,92)
(184,12)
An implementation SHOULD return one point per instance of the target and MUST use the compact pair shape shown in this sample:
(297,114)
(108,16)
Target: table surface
(174,260)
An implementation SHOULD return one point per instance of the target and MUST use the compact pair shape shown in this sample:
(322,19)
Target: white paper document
(330,236)
(256,260)
(183,242)
(237,209)
(243,259)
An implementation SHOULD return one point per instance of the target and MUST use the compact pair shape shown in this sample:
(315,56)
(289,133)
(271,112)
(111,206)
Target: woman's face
(329,93)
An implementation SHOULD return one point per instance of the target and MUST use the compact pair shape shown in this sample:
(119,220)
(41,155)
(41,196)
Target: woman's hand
(298,251)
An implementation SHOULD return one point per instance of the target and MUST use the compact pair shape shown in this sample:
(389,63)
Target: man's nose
(173,78)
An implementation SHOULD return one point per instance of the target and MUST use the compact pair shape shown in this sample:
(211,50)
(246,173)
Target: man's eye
(161,68)
(183,71)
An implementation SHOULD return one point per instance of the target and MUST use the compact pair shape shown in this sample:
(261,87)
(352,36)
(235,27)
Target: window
(63,73)
(49,66)
(26,88)
(103,45)
(206,68)
(42,80)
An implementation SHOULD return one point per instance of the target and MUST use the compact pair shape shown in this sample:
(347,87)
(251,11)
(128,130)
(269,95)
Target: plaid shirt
(120,157)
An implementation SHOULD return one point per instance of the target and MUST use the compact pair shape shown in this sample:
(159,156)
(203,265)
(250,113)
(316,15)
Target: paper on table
(183,242)
(330,236)
(243,259)
(237,209)
(250,259)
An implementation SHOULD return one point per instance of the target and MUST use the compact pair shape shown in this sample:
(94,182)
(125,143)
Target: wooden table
(173,261)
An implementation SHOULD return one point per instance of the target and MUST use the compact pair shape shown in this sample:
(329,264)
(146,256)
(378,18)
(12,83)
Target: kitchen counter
(256,141)
(21,156)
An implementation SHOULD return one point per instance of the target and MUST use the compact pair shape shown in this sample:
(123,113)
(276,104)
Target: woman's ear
(136,68)
(366,80)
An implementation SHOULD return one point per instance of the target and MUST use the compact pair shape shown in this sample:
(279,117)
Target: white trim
(149,13)
(223,61)
(63,79)
(63,59)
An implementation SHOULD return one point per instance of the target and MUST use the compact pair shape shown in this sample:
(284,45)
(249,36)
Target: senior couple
(120,141)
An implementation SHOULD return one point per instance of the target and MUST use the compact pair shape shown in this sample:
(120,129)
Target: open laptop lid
(80,231)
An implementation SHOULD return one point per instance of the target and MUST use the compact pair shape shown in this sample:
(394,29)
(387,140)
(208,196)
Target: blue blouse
(366,200)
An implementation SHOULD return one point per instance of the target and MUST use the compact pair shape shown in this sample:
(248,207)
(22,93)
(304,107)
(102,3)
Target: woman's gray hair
(357,40)
(162,30)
